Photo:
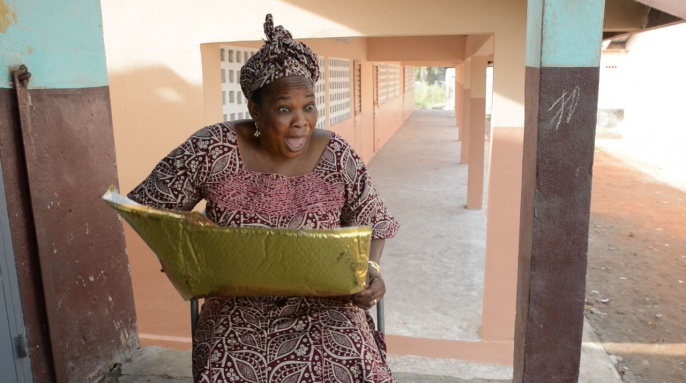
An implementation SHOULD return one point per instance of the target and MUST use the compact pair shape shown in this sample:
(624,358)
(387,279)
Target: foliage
(429,96)
(430,75)
(430,92)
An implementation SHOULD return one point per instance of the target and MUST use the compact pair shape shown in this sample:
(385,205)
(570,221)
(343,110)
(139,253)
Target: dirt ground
(636,282)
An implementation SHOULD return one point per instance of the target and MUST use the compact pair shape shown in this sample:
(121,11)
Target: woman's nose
(299,119)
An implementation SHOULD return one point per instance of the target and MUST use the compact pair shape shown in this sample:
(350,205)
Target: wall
(613,87)
(417,48)
(75,289)
(653,130)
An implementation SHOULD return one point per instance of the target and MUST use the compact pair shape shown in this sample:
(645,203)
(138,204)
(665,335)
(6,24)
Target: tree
(430,75)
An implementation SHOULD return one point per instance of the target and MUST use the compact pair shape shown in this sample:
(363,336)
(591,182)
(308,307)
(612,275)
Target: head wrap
(280,56)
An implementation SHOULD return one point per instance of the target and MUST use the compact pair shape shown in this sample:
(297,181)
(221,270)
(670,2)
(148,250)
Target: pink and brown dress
(276,339)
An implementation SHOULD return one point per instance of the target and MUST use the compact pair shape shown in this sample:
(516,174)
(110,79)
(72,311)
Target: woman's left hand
(368,298)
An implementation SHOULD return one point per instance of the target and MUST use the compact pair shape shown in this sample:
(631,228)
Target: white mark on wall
(565,106)
(87,228)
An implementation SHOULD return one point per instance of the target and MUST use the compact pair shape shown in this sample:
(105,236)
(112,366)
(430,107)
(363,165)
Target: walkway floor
(433,268)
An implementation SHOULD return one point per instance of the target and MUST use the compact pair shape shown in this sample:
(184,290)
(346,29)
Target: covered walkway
(433,269)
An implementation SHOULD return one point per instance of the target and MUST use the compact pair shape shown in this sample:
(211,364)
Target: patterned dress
(276,339)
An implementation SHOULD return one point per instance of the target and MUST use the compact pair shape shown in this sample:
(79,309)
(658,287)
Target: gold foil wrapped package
(202,259)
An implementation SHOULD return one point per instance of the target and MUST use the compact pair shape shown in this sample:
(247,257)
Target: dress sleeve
(363,206)
(176,182)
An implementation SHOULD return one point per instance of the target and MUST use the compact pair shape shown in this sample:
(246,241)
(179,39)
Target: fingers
(370,297)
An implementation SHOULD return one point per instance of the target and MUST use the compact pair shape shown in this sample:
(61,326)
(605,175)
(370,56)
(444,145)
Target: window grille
(383,83)
(235,106)
(409,78)
(320,94)
(394,86)
(376,86)
(339,90)
(344,40)
(357,83)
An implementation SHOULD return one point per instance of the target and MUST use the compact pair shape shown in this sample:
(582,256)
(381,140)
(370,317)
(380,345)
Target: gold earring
(257,130)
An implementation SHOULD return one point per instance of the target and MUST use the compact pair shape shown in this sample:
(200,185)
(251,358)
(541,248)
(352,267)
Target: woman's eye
(283,109)
(310,107)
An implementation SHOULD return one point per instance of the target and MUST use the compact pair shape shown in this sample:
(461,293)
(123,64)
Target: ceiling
(673,7)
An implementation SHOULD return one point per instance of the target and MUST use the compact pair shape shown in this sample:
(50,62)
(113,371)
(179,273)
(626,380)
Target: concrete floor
(433,268)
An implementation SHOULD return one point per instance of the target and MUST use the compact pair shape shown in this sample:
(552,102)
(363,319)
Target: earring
(257,131)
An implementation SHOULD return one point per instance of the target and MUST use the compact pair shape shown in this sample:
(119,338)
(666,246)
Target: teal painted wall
(564,33)
(59,41)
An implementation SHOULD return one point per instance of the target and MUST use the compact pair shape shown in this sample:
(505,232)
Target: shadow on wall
(153,111)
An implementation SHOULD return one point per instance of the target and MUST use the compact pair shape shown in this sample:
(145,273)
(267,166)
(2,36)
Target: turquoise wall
(59,41)
(564,33)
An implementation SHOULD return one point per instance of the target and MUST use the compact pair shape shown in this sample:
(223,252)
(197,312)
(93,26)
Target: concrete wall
(654,127)
(613,87)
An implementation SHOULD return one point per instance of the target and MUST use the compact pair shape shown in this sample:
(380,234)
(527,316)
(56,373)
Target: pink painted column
(458,99)
(465,109)
(477,125)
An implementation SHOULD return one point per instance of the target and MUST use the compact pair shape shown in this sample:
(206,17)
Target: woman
(276,170)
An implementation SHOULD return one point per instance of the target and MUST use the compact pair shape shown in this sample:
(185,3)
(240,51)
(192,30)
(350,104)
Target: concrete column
(458,98)
(504,177)
(477,124)
(562,59)
(464,120)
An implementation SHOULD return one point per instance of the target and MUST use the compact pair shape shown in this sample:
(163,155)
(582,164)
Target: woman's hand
(377,288)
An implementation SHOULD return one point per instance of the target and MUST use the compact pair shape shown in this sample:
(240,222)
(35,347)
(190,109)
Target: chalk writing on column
(565,106)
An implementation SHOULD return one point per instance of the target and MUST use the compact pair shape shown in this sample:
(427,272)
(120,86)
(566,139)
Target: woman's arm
(363,207)
(377,288)
(176,182)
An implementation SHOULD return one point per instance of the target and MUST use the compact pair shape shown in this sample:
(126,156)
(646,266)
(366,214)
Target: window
(339,77)
(320,94)
(235,105)
(357,85)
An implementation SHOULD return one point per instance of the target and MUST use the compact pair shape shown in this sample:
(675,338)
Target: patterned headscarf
(280,56)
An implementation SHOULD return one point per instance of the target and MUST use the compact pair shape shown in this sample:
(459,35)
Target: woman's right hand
(369,297)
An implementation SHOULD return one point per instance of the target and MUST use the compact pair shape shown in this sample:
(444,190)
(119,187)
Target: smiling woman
(276,170)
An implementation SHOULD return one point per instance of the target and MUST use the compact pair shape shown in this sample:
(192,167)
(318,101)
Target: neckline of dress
(242,166)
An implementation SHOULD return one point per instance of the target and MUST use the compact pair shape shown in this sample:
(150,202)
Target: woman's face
(286,116)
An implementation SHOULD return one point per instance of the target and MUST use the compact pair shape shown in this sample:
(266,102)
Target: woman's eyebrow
(288,98)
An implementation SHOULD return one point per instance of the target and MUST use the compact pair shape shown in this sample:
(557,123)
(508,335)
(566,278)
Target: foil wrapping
(202,259)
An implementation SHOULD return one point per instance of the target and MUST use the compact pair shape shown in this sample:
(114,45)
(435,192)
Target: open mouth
(295,143)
